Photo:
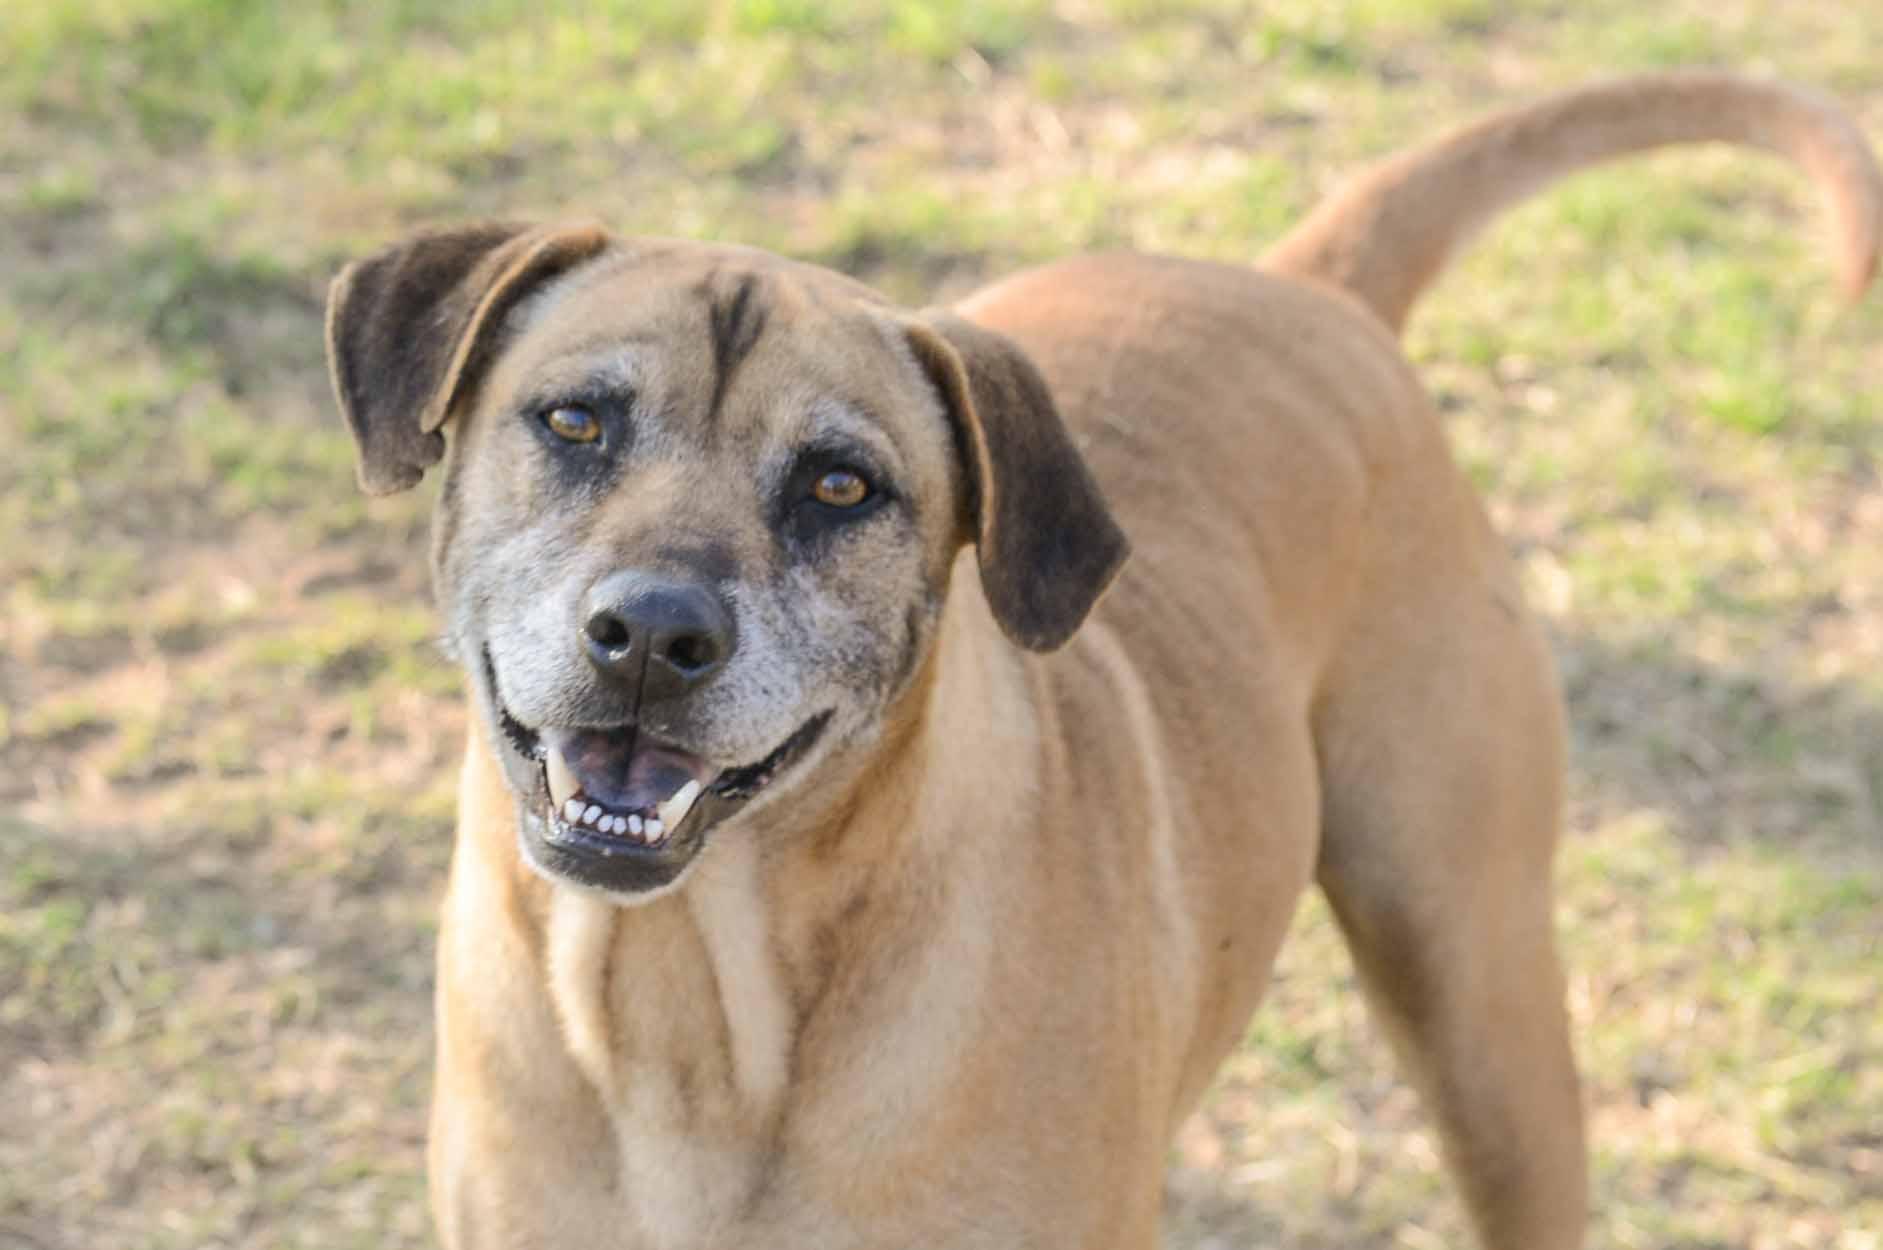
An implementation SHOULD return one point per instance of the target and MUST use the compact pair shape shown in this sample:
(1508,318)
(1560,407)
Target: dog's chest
(677,1013)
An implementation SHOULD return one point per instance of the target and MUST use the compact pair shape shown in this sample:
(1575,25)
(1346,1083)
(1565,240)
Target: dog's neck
(690,1014)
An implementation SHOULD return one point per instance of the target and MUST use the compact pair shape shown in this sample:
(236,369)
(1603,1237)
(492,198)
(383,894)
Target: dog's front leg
(520,1153)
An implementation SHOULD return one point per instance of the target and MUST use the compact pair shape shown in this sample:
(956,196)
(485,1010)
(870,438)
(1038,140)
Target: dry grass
(226,743)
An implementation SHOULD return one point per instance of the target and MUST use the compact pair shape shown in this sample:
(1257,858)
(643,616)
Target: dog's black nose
(676,633)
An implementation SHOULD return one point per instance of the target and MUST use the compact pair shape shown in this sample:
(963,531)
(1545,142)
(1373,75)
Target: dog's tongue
(620,769)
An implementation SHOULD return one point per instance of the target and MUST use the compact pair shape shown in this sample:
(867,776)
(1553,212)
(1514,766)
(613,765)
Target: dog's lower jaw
(560,870)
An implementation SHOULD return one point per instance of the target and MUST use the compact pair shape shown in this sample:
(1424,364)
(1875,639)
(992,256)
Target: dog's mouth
(619,808)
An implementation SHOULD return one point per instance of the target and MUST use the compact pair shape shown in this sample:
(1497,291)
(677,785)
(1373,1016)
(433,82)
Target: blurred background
(227,743)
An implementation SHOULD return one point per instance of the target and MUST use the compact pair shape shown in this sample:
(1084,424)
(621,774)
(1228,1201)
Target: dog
(854,848)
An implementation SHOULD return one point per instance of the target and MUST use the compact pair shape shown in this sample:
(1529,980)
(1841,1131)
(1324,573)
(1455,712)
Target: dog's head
(699,510)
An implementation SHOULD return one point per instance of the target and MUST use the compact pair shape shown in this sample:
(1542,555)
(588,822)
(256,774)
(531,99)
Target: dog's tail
(1388,233)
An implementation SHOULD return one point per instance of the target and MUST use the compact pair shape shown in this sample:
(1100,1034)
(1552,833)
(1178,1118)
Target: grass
(226,741)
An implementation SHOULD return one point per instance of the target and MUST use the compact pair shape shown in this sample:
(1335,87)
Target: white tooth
(572,810)
(675,809)
(562,782)
(655,830)
(634,825)
(594,810)
(616,824)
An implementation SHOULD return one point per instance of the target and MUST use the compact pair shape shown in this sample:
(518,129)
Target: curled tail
(1387,234)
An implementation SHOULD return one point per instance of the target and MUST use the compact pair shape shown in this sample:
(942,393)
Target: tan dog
(800,899)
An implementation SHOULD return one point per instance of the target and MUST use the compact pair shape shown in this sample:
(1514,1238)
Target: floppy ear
(410,329)
(1046,542)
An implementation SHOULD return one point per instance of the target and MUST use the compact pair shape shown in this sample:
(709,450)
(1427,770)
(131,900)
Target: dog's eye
(572,424)
(840,488)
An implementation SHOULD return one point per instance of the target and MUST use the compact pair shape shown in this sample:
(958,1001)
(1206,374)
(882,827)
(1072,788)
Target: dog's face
(699,511)
(696,529)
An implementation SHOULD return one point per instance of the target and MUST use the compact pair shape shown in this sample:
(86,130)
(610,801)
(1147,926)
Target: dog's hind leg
(1441,756)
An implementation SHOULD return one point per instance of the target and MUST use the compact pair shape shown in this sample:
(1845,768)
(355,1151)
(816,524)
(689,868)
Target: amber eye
(575,425)
(840,488)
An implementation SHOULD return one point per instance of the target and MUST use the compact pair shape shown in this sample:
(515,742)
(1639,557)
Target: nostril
(609,631)
(690,653)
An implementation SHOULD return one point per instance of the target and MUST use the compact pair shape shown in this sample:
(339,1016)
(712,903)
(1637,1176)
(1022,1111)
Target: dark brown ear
(410,329)
(1046,542)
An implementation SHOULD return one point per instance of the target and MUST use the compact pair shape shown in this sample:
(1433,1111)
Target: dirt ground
(227,738)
